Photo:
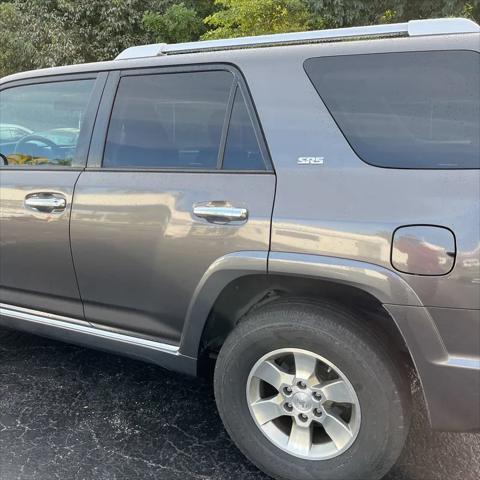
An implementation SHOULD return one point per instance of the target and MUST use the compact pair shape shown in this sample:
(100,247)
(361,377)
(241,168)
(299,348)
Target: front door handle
(46,202)
(220,212)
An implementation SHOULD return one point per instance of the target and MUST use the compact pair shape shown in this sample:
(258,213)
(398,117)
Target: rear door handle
(220,212)
(46,202)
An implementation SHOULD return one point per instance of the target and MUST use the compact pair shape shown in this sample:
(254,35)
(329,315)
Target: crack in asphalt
(70,412)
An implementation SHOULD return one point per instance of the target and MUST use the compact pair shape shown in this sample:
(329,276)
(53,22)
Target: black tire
(381,384)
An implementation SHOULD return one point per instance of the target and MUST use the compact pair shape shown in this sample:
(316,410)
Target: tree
(408,9)
(72,31)
(346,13)
(16,51)
(44,33)
(238,18)
(178,24)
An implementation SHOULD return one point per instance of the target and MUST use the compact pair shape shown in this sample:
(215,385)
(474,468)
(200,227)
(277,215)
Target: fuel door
(423,250)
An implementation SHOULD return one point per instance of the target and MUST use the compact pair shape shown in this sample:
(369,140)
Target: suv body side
(329,224)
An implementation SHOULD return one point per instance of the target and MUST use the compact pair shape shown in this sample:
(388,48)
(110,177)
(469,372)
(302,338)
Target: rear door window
(170,120)
(183,120)
(417,110)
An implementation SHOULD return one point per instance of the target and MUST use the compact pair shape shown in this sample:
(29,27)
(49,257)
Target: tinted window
(405,110)
(40,124)
(242,151)
(171,120)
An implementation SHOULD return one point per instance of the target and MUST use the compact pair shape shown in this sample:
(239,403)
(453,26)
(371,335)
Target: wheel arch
(246,280)
(238,282)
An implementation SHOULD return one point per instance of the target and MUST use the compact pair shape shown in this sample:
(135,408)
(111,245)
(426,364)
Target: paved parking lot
(72,413)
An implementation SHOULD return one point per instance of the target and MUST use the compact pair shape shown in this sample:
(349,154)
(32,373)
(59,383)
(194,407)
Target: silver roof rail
(413,28)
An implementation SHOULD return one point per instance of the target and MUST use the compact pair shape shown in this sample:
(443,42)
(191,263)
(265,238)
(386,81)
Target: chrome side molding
(464,362)
(29,314)
(80,332)
(80,326)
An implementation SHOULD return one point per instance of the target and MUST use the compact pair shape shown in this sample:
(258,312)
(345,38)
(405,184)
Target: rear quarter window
(418,110)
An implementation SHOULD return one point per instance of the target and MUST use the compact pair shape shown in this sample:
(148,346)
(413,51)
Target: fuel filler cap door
(423,250)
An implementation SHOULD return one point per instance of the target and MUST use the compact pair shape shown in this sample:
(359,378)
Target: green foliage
(346,13)
(239,18)
(68,31)
(43,33)
(407,10)
(16,52)
(178,24)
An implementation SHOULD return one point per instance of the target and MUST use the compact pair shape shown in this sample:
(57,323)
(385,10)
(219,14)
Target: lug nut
(288,407)
(287,390)
(317,395)
(303,417)
(317,412)
(301,384)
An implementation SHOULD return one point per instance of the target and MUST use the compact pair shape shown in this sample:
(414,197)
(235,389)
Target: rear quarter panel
(345,207)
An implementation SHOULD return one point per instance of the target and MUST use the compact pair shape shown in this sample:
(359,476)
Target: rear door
(45,129)
(178,176)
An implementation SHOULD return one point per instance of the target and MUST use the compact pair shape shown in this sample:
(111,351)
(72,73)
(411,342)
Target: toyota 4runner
(301,211)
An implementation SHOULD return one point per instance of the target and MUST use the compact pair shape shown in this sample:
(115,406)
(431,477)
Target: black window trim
(99,138)
(83,145)
(226,124)
(340,129)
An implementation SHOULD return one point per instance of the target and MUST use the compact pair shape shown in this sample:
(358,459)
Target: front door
(45,126)
(185,179)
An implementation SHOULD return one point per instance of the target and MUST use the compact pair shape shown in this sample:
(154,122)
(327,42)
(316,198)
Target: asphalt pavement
(76,414)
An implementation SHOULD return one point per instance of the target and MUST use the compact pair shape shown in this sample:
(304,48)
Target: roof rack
(413,28)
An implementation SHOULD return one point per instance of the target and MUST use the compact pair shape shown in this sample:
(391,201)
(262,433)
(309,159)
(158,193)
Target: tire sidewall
(381,410)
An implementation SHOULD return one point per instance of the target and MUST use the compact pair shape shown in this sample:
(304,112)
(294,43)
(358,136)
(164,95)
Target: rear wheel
(307,393)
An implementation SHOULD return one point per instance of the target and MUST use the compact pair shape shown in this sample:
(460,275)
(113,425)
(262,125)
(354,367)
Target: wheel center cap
(302,401)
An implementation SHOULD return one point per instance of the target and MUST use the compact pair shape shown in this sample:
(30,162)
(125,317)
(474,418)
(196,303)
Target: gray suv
(298,213)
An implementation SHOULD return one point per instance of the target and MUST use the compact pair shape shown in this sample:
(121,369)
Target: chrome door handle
(220,212)
(46,202)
